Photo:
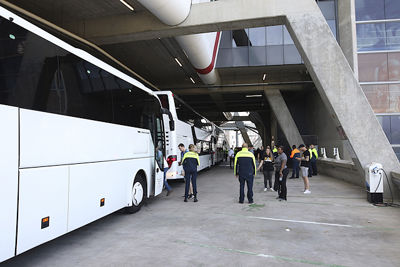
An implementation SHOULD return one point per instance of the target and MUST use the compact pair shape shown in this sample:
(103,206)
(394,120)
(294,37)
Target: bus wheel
(139,190)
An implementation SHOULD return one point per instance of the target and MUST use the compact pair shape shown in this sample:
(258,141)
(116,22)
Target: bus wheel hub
(137,193)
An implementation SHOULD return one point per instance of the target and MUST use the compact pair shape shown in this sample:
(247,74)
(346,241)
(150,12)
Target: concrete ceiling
(154,61)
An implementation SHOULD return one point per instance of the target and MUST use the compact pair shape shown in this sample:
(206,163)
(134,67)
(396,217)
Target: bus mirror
(172,125)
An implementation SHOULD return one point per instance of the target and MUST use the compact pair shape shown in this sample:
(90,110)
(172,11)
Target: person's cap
(302,145)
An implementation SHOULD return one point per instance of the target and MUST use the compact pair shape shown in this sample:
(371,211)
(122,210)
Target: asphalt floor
(333,226)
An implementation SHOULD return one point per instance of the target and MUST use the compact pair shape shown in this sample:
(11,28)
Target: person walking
(231,155)
(281,173)
(190,162)
(294,155)
(305,163)
(313,161)
(245,170)
(268,168)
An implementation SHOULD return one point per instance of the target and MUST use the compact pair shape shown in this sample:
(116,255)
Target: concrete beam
(240,88)
(283,116)
(204,17)
(240,118)
(347,32)
(339,89)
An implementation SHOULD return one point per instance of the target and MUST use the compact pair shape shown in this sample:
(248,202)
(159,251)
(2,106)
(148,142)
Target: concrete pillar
(339,89)
(283,116)
(237,138)
(347,32)
(274,130)
(243,131)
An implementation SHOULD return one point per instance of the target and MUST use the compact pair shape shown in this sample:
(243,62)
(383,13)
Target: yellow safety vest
(245,153)
(191,155)
(315,151)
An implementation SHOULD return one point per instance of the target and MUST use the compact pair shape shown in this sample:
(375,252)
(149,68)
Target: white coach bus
(77,139)
(190,128)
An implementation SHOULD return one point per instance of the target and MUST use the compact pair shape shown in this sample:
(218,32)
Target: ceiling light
(253,95)
(88,71)
(12,36)
(192,80)
(264,76)
(179,63)
(127,5)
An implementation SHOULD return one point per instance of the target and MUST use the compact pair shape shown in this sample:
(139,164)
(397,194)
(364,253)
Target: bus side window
(159,142)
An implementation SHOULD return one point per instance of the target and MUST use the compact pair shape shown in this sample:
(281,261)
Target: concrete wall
(341,169)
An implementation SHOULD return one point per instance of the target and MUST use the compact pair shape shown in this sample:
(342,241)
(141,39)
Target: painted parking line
(292,221)
(296,221)
(249,253)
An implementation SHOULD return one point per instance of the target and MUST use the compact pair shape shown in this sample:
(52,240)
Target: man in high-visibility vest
(190,162)
(313,160)
(275,151)
(245,170)
(295,154)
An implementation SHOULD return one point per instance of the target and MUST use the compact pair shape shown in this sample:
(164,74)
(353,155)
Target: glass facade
(378,43)
(265,45)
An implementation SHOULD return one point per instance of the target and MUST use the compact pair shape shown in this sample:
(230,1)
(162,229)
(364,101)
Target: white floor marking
(295,221)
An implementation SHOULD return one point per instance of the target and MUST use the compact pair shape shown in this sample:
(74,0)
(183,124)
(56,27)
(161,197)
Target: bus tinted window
(36,74)
(164,101)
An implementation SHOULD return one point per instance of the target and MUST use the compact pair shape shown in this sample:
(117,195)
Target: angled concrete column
(283,116)
(340,90)
(274,130)
(243,130)
(347,32)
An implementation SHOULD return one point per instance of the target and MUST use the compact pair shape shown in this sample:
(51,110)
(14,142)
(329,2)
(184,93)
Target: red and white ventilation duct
(201,49)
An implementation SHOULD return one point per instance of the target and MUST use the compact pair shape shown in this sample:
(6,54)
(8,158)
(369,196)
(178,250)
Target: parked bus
(78,136)
(191,128)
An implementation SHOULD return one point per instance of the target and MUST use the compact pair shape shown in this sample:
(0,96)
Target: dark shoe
(195,199)
(292,178)
(185,200)
(190,196)
(169,192)
(241,202)
(251,202)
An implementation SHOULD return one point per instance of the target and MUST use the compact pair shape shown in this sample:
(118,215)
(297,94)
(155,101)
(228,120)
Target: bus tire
(139,191)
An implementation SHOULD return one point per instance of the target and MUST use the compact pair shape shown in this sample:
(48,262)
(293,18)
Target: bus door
(159,156)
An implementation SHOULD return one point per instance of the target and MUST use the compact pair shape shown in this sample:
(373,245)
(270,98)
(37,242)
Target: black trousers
(280,186)
(231,161)
(314,167)
(296,168)
(249,182)
(268,178)
(190,176)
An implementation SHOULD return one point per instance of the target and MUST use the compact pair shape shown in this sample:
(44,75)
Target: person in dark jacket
(296,168)
(245,170)
(281,173)
(190,162)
